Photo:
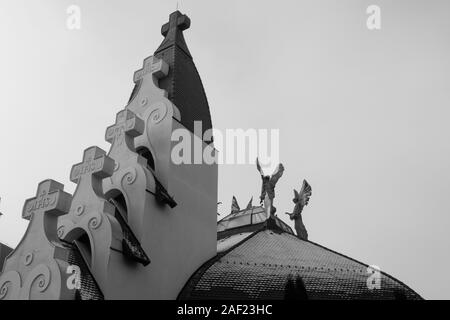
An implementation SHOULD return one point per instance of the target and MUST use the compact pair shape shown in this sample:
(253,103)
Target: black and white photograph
(224,155)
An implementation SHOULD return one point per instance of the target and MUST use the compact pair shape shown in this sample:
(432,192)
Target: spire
(182,83)
(173,32)
(250,204)
(234,205)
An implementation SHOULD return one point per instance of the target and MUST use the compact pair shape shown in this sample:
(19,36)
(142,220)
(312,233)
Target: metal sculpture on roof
(234,205)
(301,200)
(250,204)
(268,186)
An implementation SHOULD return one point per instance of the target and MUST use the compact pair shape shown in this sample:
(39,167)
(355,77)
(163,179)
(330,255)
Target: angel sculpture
(300,199)
(268,184)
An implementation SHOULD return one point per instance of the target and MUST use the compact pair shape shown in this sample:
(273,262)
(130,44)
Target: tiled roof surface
(277,265)
(89,289)
(245,218)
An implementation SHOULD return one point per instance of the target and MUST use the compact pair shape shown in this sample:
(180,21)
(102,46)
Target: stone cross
(127,126)
(176,21)
(152,65)
(49,197)
(91,213)
(36,267)
(95,163)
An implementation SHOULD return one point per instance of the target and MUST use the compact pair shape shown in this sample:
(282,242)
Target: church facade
(139,226)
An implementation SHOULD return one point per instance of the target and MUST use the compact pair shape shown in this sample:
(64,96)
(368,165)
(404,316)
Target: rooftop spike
(183,84)
(173,32)
(234,205)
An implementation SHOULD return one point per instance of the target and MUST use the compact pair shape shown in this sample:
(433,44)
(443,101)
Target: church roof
(246,220)
(266,261)
(183,83)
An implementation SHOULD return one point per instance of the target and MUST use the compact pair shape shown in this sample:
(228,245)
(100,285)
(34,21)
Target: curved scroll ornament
(158,113)
(129,176)
(37,282)
(10,284)
(95,221)
(60,231)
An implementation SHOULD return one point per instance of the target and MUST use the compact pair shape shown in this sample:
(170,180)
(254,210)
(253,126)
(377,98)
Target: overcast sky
(363,115)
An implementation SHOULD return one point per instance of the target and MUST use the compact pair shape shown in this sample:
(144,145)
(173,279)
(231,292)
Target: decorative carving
(268,186)
(95,222)
(94,163)
(28,259)
(79,210)
(42,201)
(129,176)
(97,218)
(133,178)
(40,253)
(60,231)
(301,200)
(157,67)
(127,126)
(159,112)
(10,284)
(37,281)
(144,102)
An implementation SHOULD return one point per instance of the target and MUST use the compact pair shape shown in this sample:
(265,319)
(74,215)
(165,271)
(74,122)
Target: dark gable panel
(4,252)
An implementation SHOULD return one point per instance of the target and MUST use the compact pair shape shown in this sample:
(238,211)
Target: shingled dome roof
(266,260)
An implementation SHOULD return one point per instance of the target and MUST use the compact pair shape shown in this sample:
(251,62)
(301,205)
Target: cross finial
(173,32)
(152,65)
(95,163)
(49,197)
(177,20)
(127,126)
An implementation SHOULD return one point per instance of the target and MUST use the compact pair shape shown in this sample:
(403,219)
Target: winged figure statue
(269,183)
(301,200)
